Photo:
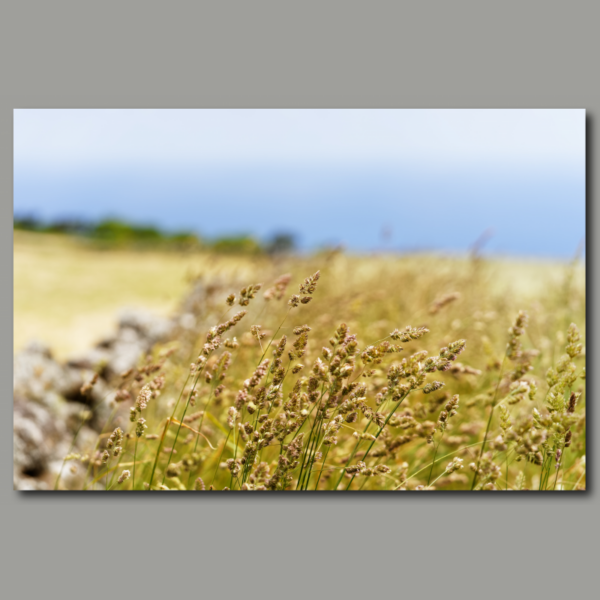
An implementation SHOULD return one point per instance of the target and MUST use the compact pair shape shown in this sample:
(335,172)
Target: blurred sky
(367,179)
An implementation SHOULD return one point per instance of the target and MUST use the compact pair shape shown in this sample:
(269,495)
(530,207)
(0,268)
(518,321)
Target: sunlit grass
(396,439)
(68,293)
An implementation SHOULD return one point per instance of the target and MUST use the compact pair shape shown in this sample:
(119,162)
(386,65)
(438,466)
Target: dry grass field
(67,293)
(355,372)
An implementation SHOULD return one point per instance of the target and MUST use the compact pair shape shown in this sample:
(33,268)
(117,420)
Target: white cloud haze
(75,138)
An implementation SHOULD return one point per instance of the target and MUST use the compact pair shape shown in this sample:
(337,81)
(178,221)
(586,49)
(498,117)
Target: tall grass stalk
(351,394)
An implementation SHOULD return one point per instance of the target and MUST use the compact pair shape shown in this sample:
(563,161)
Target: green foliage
(66,226)
(242,244)
(114,233)
(118,232)
(281,243)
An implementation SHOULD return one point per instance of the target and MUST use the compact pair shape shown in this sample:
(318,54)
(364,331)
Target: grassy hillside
(67,292)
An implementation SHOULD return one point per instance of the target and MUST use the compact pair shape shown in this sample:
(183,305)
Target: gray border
(267,54)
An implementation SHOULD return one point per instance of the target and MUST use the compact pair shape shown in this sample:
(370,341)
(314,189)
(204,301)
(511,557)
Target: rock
(37,429)
(204,297)
(28,484)
(35,372)
(126,351)
(48,401)
(138,331)
(187,321)
(95,359)
(42,437)
(36,375)
(150,328)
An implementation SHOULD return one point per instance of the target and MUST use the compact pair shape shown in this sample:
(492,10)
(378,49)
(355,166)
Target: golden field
(395,407)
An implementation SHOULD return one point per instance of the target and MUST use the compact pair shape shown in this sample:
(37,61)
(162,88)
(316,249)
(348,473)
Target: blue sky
(261,171)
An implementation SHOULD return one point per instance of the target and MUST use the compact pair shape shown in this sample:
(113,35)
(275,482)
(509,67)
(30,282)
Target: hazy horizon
(367,180)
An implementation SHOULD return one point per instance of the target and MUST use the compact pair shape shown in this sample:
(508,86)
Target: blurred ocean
(537,213)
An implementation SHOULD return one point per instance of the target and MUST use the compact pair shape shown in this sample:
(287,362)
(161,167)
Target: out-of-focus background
(118,208)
